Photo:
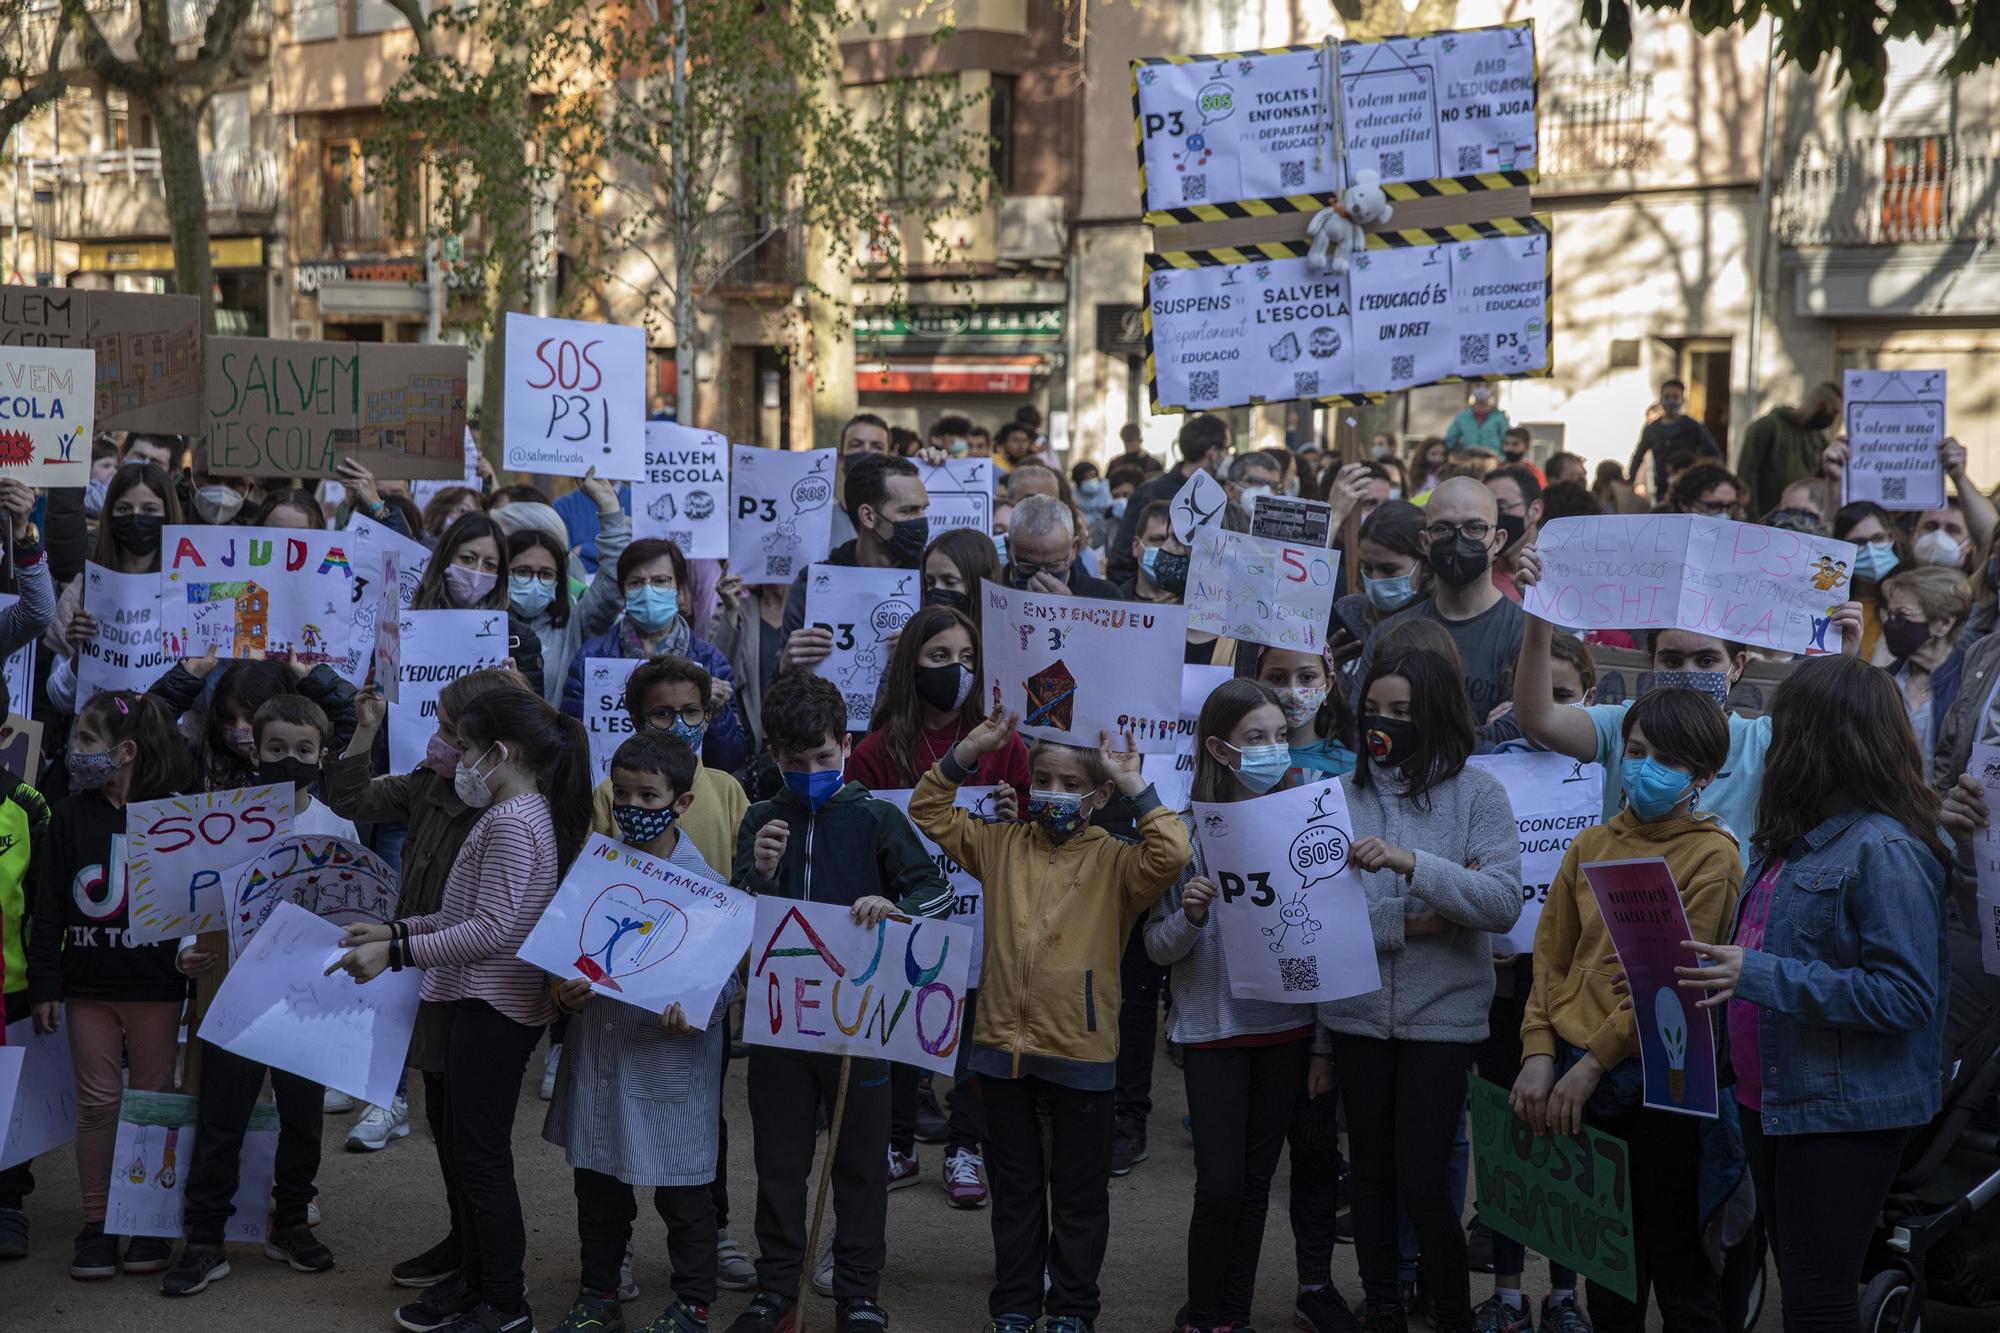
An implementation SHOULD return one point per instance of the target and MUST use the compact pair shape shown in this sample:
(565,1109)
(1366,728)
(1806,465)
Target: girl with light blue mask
(1390,557)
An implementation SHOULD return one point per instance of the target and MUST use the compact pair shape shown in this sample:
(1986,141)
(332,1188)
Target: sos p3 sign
(576,398)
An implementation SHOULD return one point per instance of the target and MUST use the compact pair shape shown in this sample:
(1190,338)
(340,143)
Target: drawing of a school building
(139,370)
(424,416)
(251,614)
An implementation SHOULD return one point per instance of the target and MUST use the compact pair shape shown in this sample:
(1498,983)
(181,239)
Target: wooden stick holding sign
(825,1182)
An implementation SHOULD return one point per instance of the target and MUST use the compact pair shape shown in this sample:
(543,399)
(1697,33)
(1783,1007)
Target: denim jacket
(1851,981)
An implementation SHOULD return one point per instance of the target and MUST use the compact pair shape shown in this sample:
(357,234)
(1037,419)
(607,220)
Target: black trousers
(786,1091)
(1050,1212)
(718,1188)
(1666,1210)
(1403,1101)
(1819,1196)
(1141,982)
(229,1088)
(605,1208)
(1314,1136)
(17,1182)
(486,1054)
(435,1098)
(1242,1100)
(965,1111)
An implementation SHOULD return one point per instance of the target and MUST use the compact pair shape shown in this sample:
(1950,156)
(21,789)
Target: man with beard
(1786,445)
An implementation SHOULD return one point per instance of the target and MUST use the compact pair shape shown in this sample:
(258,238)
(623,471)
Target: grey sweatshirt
(1468,850)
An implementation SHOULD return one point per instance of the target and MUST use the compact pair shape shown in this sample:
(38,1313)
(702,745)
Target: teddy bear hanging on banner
(1337,231)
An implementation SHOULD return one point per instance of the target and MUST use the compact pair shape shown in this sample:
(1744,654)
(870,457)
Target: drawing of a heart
(624,933)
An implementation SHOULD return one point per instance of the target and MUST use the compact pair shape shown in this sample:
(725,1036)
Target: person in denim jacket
(1834,983)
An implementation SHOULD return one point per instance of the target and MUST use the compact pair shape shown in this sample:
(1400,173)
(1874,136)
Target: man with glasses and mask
(886,501)
(1042,552)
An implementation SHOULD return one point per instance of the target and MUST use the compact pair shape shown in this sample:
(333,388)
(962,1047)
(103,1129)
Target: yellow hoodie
(1572,997)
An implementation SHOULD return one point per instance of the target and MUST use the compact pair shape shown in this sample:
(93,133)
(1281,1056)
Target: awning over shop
(1000,374)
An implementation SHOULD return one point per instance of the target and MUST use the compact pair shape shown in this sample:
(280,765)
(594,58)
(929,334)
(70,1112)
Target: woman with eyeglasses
(538,585)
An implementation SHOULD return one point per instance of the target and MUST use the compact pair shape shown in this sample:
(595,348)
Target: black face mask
(1458,563)
(1819,420)
(950,597)
(906,540)
(1514,527)
(945,687)
(1391,741)
(287,772)
(1170,572)
(138,534)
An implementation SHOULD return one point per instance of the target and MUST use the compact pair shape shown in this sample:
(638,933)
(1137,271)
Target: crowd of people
(1822,869)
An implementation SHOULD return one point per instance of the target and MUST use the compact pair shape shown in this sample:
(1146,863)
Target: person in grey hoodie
(1440,860)
(538,583)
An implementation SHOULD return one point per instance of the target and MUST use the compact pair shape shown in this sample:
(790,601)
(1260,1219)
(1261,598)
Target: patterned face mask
(639,825)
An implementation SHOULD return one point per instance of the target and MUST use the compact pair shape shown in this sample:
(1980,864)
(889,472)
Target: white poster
(237,591)
(333,878)
(42,1117)
(1895,422)
(278,1007)
(1293,914)
(181,854)
(864,610)
(149,1168)
(605,720)
(961,494)
(782,502)
(642,931)
(47,395)
(437,648)
(968,896)
(1500,306)
(127,653)
(371,546)
(1073,667)
(1172,775)
(1554,798)
(684,496)
(1261,591)
(1442,105)
(576,398)
(1225,335)
(1984,764)
(1403,317)
(1199,501)
(1216,130)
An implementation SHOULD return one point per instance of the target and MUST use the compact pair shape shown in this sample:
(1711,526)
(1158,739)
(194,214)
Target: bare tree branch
(420,25)
(97,53)
(40,93)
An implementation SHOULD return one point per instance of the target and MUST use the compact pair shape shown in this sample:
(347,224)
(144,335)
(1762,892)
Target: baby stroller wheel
(1888,1301)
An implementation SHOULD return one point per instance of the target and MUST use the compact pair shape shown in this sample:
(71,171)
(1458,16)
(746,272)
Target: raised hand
(1123,765)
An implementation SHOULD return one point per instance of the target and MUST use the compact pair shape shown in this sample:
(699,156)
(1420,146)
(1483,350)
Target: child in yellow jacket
(1061,898)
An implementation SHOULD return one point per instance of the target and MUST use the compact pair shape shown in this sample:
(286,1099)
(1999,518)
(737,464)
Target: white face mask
(218,504)
(472,786)
(1938,547)
(1251,494)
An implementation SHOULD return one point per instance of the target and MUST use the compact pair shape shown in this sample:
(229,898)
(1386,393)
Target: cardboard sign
(127,653)
(1568,1196)
(1261,591)
(1554,799)
(181,853)
(1743,582)
(150,1161)
(605,720)
(329,877)
(893,991)
(864,610)
(1443,105)
(642,931)
(783,508)
(1292,911)
(1076,666)
(576,398)
(1641,905)
(38,1111)
(1199,500)
(436,648)
(423,492)
(371,544)
(413,409)
(1895,422)
(1284,519)
(961,495)
(1172,775)
(968,894)
(279,1008)
(684,496)
(237,591)
(148,349)
(46,397)
(1984,764)
(18,668)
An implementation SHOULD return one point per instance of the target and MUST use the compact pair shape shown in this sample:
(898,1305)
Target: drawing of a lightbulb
(1672,1022)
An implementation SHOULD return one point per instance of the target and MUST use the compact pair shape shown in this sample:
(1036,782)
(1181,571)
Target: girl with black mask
(954,565)
(139,505)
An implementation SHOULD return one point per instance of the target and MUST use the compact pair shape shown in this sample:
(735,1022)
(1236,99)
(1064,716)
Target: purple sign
(1641,905)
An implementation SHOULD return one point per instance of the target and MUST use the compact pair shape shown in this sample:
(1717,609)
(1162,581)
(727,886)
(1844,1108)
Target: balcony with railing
(1917,189)
(115,195)
(1593,124)
(33,26)
(744,260)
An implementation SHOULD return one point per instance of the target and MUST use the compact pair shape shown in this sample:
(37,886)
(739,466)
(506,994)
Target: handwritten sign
(1172,775)
(371,545)
(1292,911)
(1568,1196)
(38,1112)
(961,495)
(333,878)
(1984,764)
(236,592)
(1749,584)
(1554,799)
(1261,591)
(148,350)
(1895,422)
(126,653)
(1284,519)
(436,648)
(46,397)
(152,1156)
(1443,105)
(864,610)
(1199,501)
(1641,905)
(684,496)
(1075,666)
(819,982)
(605,720)
(783,507)
(643,931)
(576,398)
(968,894)
(181,852)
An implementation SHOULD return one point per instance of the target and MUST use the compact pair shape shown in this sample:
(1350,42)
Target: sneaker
(858,1314)
(1128,1146)
(148,1254)
(594,1312)
(1479,1247)
(903,1171)
(768,1313)
(1563,1316)
(300,1248)
(443,1304)
(1497,1316)
(628,1286)
(13,1233)
(932,1126)
(335,1102)
(550,1063)
(823,1265)
(378,1125)
(96,1254)
(733,1269)
(964,1179)
(437,1264)
(483,1318)
(198,1266)
(680,1317)
(1068,1323)
(1009,1323)
(1323,1311)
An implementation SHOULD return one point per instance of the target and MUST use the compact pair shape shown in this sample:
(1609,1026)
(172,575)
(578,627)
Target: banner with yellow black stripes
(1234,326)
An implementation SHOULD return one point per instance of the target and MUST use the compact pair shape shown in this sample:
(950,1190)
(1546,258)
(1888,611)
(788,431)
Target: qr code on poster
(1403,367)
(1392,163)
(778,566)
(1470,158)
(1895,488)
(1305,383)
(1292,175)
(1298,973)
(1203,386)
(1475,349)
(1194,187)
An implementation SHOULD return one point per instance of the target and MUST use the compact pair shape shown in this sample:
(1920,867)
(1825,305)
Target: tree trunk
(187,200)
(830,315)
(506,289)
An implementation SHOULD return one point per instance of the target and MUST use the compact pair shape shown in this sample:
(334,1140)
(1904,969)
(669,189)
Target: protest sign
(181,851)
(1749,584)
(1200,499)
(905,984)
(148,350)
(1220,129)
(642,931)
(18,667)
(423,492)
(961,494)
(864,610)
(413,409)
(1641,906)
(46,398)
(1076,666)
(370,546)
(234,591)
(684,494)
(436,648)
(1554,799)
(1172,775)
(126,653)
(1293,914)
(576,398)
(151,1158)
(605,720)
(39,1113)
(1261,591)
(1567,1196)
(21,746)
(1984,765)
(388,646)
(968,894)
(1442,105)
(330,877)
(783,507)
(278,1007)
(1284,519)
(1895,422)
